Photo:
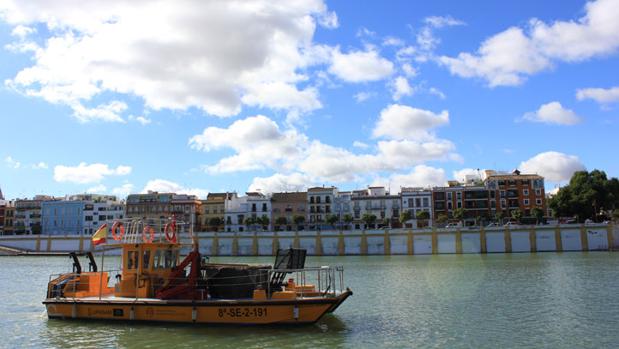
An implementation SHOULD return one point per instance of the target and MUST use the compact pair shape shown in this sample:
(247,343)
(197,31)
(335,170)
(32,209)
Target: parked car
(510,224)
(453,225)
(493,224)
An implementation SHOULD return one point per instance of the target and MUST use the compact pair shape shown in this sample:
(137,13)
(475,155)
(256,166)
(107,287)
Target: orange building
(288,206)
(516,191)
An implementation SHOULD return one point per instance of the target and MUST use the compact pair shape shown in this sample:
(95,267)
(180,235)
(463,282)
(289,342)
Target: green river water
(550,300)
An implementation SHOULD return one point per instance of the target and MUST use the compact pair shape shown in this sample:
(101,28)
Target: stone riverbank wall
(371,242)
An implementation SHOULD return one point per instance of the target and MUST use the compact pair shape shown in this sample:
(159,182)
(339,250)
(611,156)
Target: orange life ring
(118,226)
(170,231)
(148,230)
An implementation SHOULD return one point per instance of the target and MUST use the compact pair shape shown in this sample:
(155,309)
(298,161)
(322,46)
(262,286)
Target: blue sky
(194,96)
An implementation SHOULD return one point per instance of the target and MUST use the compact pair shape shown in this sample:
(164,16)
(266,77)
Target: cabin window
(132,259)
(170,259)
(146,259)
(158,260)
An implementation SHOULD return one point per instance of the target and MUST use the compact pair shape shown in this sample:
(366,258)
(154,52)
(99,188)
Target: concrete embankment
(371,242)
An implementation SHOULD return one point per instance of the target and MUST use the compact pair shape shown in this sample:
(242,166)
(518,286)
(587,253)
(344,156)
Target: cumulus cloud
(85,173)
(143,120)
(600,95)
(279,182)
(97,189)
(403,122)
(279,95)
(363,96)
(507,58)
(123,191)
(360,66)
(259,144)
(420,176)
(460,175)
(554,166)
(213,56)
(12,163)
(40,166)
(400,88)
(360,145)
(552,113)
(165,186)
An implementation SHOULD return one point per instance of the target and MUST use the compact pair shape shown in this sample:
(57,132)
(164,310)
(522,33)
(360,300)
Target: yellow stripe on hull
(208,312)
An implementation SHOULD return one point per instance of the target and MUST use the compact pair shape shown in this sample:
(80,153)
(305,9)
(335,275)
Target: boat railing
(136,230)
(328,281)
(92,284)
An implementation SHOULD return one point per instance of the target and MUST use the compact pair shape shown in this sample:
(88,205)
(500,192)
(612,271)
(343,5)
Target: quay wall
(370,242)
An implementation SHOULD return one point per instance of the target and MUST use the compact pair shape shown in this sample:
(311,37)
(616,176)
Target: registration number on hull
(241,312)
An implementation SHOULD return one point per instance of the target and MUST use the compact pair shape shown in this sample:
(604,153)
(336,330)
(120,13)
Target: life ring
(170,231)
(118,226)
(151,234)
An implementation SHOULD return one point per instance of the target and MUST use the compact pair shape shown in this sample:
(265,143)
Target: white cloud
(280,183)
(12,163)
(143,120)
(279,95)
(552,113)
(84,173)
(420,176)
(257,140)
(408,70)
(363,96)
(554,166)
(460,175)
(360,145)
(392,41)
(360,66)
(403,122)
(507,58)
(442,21)
(435,91)
(97,189)
(123,191)
(400,88)
(22,31)
(104,112)
(201,54)
(165,186)
(40,166)
(600,95)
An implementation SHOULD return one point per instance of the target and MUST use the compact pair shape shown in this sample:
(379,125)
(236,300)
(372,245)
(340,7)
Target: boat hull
(231,312)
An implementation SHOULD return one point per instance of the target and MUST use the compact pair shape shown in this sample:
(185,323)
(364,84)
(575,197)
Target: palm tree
(422,216)
(263,221)
(368,219)
(347,219)
(332,219)
(405,216)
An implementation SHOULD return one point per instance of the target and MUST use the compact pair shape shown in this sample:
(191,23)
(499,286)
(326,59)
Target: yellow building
(213,210)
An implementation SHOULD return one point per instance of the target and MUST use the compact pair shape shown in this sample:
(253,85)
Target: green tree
(281,221)
(368,219)
(405,216)
(586,195)
(332,219)
(386,222)
(347,219)
(459,214)
(249,221)
(422,218)
(263,221)
(299,221)
(517,215)
(215,222)
(499,217)
(442,218)
(538,213)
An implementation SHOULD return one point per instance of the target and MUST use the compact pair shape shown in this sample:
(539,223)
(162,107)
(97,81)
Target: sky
(119,97)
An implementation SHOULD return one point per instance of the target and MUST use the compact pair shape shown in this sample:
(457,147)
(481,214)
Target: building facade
(239,208)
(288,206)
(377,202)
(213,211)
(516,191)
(9,216)
(158,208)
(320,202)
(28,215)
(80,214)
(415,200)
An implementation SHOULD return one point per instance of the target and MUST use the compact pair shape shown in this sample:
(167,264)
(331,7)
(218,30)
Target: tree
(422,217)
(499,217)
(348,219)
(249,221)
(281,221)
(298,221)
(586,195)
(405,216)
(215,222)
(263,221)
(368,219)
(538,213)
(459,214)
(442,218)
(386,222)
(332,219)
(517,215)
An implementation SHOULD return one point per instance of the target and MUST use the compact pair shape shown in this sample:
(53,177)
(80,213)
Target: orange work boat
(154,283)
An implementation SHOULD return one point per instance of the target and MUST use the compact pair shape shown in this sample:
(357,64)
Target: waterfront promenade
(569,237)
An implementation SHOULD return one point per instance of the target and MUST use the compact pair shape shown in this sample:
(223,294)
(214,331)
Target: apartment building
(320,201)
(415,200)
(28,214)
(288,206)
(376,201)
(239,208)
(213,211)
(515,191)
(80,214)
(9,216)
(158,208)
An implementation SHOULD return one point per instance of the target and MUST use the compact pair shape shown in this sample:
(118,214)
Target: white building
(415,200)
(378,202)
(238,208)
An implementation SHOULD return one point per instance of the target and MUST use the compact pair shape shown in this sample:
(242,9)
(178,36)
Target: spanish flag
(100,235)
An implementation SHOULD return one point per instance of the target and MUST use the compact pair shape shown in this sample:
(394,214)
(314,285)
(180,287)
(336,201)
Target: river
(553,300)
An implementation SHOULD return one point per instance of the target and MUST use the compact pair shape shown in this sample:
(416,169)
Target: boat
(161,279)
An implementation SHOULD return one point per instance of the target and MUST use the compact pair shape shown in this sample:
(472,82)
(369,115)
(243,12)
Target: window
(459,195)
(449,196)
(426,202)
(526,202)
(146,259)
(132,259)
(264,207)
(417,202)
(525,192)
(503,203)
(449,207)
(318,199)
(538,192)
(459,204)
(538,202)
(88,218)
